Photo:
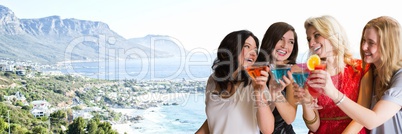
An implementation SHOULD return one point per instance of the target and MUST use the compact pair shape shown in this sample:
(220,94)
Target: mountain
(161,43)
(52,39)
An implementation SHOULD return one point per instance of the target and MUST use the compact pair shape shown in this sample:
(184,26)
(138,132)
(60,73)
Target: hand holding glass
(254,70)
(316,92)
(300,75)
(278,71)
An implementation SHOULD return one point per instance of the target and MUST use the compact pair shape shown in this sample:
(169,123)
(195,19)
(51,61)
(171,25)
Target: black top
(281,127)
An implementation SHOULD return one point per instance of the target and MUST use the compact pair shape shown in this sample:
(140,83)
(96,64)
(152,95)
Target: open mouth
(317,48)
(281,52)
(368,54)
(250,60)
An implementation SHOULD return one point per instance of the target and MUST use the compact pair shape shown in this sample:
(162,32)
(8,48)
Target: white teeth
(315,49)
(367,54)
(281,51)
(249,60)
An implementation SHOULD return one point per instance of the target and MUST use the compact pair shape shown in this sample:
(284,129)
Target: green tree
(27,108)
(1,97)
(19,103)
(3,125)
(39,130)
(18,129)
(92,126)
(77,127)
(107,128)
(58,119)
(100,131)
(60,114)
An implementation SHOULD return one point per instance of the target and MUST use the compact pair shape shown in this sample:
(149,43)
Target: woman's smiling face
(317,43)
(248,53)
(284,47)
(370,46)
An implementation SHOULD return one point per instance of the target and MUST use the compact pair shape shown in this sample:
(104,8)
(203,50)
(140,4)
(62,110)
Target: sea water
(191,68)
(184,118)
(187,117)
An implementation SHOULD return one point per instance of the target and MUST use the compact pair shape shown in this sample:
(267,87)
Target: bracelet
(340,101)
(309,122)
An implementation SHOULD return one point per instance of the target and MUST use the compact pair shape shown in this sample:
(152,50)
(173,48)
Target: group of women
(359,95)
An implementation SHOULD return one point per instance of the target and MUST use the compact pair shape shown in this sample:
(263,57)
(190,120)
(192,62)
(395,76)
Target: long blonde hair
(332,30)
(389,46)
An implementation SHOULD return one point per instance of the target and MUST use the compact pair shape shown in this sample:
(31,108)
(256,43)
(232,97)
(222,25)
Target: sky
(202,24)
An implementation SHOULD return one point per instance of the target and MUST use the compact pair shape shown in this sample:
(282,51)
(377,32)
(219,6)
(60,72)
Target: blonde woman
(380,48)
(328,40)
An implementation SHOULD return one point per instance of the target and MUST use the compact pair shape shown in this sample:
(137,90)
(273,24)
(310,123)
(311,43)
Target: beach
(151,118)
(184,118)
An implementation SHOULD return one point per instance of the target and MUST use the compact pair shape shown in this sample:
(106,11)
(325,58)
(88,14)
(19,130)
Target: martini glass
(254,70)
(300,75)
(278,71)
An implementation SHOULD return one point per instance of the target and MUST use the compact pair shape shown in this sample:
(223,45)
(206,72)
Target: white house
(40,108)
(18,97)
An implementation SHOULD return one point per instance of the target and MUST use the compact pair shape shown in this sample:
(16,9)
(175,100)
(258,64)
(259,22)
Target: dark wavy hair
(273,34)
(227,62)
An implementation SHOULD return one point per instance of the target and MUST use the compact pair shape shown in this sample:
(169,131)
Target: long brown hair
(226,62)
(273,34)
(389,46)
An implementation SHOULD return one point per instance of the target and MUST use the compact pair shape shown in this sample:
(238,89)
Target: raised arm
(286,106)
(310,116)
(265,119)
(364,99)
(382,111)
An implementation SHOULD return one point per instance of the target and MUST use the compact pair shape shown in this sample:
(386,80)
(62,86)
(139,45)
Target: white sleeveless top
(233,115)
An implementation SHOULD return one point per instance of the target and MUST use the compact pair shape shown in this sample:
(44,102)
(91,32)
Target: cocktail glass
(316,92)
(254,70)
(300,76)
(278,71)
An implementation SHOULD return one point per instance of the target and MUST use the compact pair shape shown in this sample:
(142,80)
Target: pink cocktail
(316,92)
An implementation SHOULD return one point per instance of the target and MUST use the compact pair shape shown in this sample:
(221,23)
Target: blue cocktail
(300,78)
(300,74)
(279,71)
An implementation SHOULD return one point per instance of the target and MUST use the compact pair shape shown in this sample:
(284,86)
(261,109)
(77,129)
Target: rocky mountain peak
(55,26)
(9,23)
(48,39)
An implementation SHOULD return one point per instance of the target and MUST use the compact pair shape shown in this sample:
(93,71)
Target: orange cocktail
(254,70)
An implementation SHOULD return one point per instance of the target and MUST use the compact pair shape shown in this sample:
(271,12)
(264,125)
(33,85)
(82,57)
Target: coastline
(148,114)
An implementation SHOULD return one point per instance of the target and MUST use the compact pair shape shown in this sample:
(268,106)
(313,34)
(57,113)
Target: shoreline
(146,122)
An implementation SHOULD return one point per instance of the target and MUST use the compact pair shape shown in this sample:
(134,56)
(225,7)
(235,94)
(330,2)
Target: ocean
(197,67)
(184,118)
